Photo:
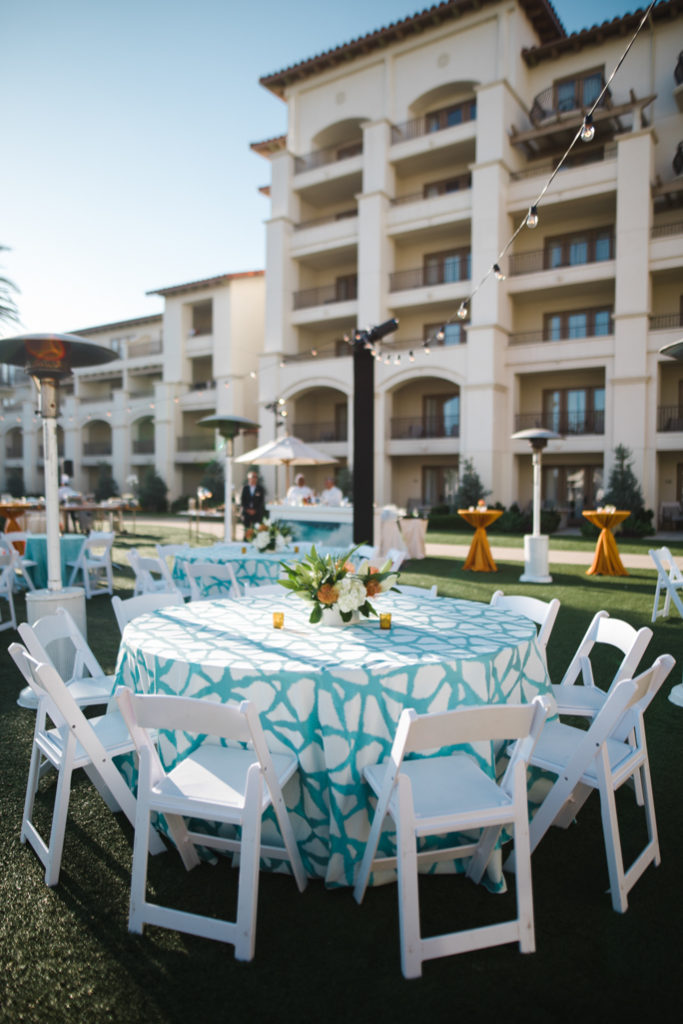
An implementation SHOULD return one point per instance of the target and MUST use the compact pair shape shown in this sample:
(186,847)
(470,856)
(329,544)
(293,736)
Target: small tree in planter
(470,487)
(153,492)
(624,492)
(106,485)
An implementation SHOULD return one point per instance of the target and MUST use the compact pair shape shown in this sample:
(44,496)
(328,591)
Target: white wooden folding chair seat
(586,700)
(94,564)
(603,757)
(543,613)
(58,637)
(669,583)
(217,783)
(212,580)
(7,565)
(451,793)
(24,565)
(130,608)
(168,554)
(152,575)
(74,742)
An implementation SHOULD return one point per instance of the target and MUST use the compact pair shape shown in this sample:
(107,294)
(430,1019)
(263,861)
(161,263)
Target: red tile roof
(207,282)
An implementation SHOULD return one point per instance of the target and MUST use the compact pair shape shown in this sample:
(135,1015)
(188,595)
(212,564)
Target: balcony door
(441,415)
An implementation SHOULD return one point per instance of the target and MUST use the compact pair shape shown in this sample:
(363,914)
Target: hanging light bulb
(498,272)
(427,349)
(532,217)
(252,374)
(397,360)
(440,334)
(462,310)
(588,129)
(387,359)
(314,352)
(411,357)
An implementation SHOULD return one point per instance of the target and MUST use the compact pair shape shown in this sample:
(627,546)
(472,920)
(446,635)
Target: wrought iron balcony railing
(316,433)
(328,155)
(669,418)
(416,427)
(569,423)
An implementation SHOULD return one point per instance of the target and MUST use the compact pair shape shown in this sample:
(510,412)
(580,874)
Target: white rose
(351,594)
(279,542)
(262,540)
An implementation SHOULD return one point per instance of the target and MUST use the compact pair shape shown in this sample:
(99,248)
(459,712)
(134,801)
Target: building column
(632,417)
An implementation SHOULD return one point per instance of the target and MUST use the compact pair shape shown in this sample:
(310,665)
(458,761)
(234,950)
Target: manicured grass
(66,954)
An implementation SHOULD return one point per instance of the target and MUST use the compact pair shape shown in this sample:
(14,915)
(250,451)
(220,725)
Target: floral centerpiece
(269,536)
(330,582)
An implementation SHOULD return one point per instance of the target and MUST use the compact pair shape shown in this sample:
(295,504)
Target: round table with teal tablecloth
(334,695)
(70,545)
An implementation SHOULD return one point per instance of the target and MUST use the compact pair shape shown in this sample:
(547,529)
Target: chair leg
(408,893)
(31,790)
(250,851)
(525,899)
(610,829)
(59,813)
(370,850)
(138,876)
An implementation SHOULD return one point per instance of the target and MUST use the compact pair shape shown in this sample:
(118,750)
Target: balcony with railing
(195,443)
(669,418)
(328,155)
(667,230)
(340,291)
(568,424)
(145,348)
(143,447)
(407,428)
(426,276)
(552,259)
(435,121)
(332,218)
(14,450)
(91,448)
(666,321)
(320,433)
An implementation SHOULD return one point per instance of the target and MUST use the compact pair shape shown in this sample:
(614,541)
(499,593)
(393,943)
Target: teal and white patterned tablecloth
(334,695)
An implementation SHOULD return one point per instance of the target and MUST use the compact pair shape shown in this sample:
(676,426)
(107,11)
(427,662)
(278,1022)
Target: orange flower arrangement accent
(328,594)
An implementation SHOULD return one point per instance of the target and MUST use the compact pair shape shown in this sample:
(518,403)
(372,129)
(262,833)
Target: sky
(127,124)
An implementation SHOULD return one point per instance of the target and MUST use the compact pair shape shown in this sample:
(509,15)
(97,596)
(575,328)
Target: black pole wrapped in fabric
(364,430)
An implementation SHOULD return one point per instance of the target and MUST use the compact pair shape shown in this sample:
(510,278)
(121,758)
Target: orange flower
(327,594)
(372,587)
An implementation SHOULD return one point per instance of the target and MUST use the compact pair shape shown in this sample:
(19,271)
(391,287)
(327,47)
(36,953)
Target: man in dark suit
(253,501)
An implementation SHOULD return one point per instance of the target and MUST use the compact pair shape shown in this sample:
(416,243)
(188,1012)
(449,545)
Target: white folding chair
(74,742)
(24,565)
(603,757)
(94,564)
(543,613)
(669,582)
(405,588)
(212,580)
(444,794)
(130,608)
(587,700)
(232,785)
(397,558)
(56,640)
(168,554)
(7,566)
(152,575)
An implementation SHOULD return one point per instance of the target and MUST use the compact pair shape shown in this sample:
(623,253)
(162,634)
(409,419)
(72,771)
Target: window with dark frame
(453,334)
(574,410)
(446,117)
(579,247)
(578,91)
(446,267)
(578,323)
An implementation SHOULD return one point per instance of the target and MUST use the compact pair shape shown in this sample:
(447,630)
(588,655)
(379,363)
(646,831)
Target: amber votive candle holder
(278,620)
(244,550)
(385,620)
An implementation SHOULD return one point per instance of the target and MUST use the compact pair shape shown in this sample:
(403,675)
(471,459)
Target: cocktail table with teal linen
(334,695)
(70,545)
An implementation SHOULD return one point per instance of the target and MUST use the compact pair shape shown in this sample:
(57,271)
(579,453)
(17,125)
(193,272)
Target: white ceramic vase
(332,617)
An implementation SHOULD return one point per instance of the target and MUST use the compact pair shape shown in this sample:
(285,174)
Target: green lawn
(66,954)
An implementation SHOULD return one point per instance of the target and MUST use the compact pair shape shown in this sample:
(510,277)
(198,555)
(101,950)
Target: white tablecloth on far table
(334,696)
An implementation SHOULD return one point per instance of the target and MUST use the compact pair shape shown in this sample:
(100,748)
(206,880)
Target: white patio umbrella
(286,451)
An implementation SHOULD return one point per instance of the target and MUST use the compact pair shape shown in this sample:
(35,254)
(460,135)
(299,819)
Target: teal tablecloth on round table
(70,545)
(252,567)
(334,695)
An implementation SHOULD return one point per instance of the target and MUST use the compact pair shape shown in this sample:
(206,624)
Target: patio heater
(228,427)
(364,429)
(675,350)
(536,543)
(48,359)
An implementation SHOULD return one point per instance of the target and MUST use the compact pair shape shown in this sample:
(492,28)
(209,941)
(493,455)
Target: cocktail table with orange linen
(606,561)
(479,557)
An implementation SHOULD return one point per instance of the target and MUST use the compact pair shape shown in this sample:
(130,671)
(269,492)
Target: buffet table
(320,524)
(334,695)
